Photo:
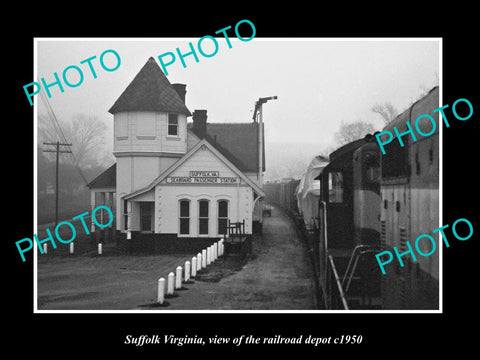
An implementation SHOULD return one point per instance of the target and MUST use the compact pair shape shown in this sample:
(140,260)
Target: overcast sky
(319,82)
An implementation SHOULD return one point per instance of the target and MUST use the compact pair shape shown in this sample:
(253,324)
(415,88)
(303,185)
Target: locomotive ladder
(341,293)
(357,252)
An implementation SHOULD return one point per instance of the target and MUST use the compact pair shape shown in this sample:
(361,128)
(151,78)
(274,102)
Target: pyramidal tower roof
(150,90)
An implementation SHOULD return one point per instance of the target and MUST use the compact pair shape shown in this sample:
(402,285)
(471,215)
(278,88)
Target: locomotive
(368,203)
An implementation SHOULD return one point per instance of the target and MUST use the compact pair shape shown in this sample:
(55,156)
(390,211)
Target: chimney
(200,123)
(181,90)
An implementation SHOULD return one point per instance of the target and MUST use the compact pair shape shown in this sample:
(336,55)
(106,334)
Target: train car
(363,266)
(289,201)
(283,194)
(369,203)
(342,278)
(366,187)
(308,193)
(272,191)
(410,207)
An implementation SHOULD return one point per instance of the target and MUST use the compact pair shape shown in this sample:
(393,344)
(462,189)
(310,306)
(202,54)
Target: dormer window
(172,125)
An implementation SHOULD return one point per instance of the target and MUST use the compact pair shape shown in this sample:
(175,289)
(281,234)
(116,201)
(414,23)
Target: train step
(359,287)
(364,303)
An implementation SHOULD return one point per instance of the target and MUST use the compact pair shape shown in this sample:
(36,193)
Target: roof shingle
(150,90)
(107,179)
(237,142)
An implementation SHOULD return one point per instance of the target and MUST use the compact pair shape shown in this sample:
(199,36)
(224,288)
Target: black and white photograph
(255,189)
(235,187)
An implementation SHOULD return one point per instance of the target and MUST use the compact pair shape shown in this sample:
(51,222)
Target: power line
(58,151)
(52,116)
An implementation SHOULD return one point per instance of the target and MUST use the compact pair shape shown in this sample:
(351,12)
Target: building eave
(181,161)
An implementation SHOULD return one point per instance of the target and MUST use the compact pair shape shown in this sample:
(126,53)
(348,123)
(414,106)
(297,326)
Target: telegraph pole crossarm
(58,151)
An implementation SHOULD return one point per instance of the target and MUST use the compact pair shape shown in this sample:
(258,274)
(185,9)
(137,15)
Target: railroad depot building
(177,183)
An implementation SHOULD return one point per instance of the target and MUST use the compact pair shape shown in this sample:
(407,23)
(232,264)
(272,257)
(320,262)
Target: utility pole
(58,151)
(258,118)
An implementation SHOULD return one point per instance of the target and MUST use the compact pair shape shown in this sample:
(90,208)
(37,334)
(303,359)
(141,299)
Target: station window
(172,124)
(222,216)
(125,214)
(203,217)
(335,187)
(146,212)
(184,217)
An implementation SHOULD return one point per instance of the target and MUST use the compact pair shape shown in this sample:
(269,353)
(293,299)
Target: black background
(384,335)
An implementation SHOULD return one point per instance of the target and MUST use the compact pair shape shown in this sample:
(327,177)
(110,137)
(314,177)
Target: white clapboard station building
(177,183)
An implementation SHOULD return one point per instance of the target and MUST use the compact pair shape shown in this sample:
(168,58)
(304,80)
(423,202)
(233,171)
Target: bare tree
(355,130)
(89,134)
(387,111)
(86,133)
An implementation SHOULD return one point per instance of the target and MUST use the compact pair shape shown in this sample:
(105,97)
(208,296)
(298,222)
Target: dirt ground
(102,282)
(277,276)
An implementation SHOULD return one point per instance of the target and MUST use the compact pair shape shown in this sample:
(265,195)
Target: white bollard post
(215,251)
(209,255)
(199,262)
(171,277)
(161,291)
(194,267)
(178,278)
(45,249)
(71,247)
(187,271)
(204,258)
(99,248)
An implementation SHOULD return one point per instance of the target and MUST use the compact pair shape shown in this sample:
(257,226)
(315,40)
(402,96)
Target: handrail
(324,204)
(369,249)
(339,286)
(350,261)
(325,236)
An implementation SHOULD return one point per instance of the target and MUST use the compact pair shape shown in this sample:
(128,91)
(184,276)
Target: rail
(323,263)
(341,294)
(324,205)
(350,271)
(334,299)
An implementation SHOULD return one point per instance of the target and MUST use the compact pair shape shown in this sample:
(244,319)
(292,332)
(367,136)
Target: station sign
(202,177)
